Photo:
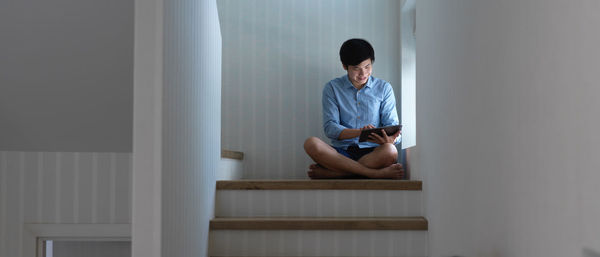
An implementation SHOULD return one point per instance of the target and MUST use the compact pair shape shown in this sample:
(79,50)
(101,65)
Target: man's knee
(390,153)
(311,145)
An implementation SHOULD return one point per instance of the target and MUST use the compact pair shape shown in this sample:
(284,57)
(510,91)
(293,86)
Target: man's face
(359,74)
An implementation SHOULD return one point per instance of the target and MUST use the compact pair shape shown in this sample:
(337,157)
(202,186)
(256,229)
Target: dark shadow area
(587,252)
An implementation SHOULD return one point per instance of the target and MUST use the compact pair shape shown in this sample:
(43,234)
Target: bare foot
(394,171)
(317,171)
(311,170)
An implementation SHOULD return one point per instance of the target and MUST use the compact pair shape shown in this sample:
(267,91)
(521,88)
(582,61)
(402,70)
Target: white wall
(147,129)
(177,96)
(408,70)
(66,71)
(61,188)
(507,117)
(277,56)
(191,125)
(65,114)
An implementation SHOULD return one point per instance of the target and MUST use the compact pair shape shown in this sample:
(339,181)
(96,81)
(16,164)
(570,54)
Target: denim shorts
(353,152)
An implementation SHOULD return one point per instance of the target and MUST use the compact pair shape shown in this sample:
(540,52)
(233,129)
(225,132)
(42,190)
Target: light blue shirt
(345,107)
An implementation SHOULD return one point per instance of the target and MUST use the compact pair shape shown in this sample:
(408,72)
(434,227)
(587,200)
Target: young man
(352,103)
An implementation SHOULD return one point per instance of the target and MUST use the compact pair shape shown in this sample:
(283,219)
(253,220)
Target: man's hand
(367,127)
(352,133)
(375,138)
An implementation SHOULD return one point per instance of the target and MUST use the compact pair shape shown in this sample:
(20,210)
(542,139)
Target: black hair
(356,50)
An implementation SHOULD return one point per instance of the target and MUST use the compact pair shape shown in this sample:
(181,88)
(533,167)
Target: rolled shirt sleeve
(388,113)
(331,114)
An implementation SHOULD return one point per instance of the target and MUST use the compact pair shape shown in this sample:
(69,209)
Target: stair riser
(318,203)
(317,243)
(230,169)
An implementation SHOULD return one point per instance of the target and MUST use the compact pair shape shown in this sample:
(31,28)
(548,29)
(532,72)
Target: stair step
(340,243)
(271,223)
(232,154)
(318,218)
(318,203)
(322,184)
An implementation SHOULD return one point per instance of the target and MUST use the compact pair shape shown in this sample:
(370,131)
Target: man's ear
(344,66)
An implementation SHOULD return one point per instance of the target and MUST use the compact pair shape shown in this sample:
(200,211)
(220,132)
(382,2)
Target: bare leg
(381,157)
(340,165)
(317,171)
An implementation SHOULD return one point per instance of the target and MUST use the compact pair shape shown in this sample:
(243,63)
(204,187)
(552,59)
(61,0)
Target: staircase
(318,218)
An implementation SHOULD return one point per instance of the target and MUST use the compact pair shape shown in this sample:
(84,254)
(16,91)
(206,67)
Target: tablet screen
(390,130)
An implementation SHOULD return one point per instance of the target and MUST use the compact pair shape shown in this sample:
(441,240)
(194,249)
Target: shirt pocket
(370,106)
(348,112)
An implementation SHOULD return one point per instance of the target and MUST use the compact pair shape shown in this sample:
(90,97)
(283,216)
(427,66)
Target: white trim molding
(33,231)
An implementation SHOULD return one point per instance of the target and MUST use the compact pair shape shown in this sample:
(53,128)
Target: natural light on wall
(408,38)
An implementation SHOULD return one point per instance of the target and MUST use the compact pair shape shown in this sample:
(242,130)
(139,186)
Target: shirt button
(358,117)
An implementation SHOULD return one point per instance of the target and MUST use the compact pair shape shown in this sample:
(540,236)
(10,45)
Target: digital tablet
(364,135)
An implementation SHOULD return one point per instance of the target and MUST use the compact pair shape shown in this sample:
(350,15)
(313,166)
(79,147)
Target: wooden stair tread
(322,184)
(232,154)
(308,223)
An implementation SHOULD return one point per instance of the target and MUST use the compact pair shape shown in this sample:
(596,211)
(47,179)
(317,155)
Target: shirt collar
(349,83)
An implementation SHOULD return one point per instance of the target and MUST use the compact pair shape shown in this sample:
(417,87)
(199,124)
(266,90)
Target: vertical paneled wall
(277,56)
(191,123)
(61,187)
